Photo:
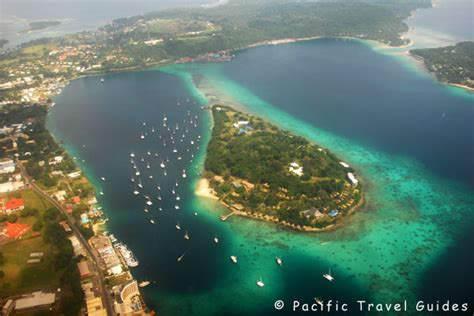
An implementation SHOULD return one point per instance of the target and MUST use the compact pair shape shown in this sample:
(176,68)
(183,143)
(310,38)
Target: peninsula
(262,172)
(40,25)
(451,64)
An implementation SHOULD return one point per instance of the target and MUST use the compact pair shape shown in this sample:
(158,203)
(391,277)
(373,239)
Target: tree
(12,218)
(37,226)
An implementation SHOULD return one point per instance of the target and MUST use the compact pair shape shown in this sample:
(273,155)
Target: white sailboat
(181,257)
(152,221)
(216,240)
(260,283)
(186,235)
(234,259)
(279,261)
(328,276)
(178,227)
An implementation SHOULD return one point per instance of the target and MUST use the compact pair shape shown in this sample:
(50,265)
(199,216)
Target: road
(102,287)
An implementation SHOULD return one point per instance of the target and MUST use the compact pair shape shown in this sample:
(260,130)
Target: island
(40,25)
(451,64)
(260,171)
(3,42)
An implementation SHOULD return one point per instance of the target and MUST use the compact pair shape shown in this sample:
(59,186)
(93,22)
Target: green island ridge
(450,64)
(40,25)
(187,35)
(262,172)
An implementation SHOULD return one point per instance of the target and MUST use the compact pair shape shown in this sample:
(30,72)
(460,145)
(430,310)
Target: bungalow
(76,200)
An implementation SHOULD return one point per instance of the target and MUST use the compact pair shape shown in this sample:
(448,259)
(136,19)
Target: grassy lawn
(38,50)
(33,200)
(21,277)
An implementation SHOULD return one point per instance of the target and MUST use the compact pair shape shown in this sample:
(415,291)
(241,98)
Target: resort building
(8,308)
(296,169)
(128,299)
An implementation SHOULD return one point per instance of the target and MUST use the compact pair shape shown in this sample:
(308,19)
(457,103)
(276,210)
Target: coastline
(204,190)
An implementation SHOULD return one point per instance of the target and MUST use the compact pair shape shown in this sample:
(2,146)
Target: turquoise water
(416,207)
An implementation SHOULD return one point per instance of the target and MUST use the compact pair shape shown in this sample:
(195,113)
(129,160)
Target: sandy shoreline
(204,190)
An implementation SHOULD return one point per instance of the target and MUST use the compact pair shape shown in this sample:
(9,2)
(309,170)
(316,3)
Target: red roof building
(76,200)
(12,205)
(15,230)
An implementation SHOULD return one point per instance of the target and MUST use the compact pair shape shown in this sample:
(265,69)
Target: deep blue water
(345,88)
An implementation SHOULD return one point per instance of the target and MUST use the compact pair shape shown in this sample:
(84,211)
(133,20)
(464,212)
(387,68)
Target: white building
(241,123)
(7,166)
(345,165)
(35,300)
(11,186)
(56,160)
(74,175)
(352,178)
(296,169)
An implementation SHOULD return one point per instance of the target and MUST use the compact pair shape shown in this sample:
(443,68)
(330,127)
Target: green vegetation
(40,25)
(57,267)
(451,64)
(189,32)
(248,165)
